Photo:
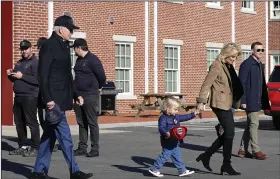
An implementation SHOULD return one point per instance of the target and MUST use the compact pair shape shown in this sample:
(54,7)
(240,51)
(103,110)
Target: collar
(30,58)
(253,60)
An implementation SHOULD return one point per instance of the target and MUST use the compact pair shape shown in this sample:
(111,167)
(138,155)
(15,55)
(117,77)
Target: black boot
(227,168)
(36,175)
(205,161)
(80,175)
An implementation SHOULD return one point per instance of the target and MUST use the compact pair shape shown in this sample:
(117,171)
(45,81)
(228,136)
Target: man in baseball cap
(66,21)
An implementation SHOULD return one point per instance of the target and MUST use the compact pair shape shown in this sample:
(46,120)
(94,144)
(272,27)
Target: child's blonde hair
(170,103)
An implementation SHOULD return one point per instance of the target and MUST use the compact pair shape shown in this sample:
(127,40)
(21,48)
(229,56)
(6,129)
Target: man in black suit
(56,83)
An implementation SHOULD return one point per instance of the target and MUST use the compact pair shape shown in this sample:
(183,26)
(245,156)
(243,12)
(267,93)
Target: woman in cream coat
(222,90)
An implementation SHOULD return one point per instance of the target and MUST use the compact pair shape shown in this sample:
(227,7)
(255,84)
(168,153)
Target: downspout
(50,18)
(266,41)
(155,49)
(146,46)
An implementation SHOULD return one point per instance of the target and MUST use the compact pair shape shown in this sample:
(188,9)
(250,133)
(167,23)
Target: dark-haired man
(89,78)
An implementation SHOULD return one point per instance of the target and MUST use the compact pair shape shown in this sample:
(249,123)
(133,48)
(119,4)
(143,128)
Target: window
(123,67)
(212,54)
(248,7)
(276,60)
(172,69)
(275,9)
(73,57)
(245,54)
(214,4)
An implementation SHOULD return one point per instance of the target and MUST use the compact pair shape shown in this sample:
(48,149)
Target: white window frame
(212,46)
(73,37)
(177,45)
(250,10)
(214,5)
(245,49)
(272,9)
(120,39)
(272,62)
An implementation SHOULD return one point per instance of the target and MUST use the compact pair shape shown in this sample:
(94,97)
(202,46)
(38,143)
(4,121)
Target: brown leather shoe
(259,156)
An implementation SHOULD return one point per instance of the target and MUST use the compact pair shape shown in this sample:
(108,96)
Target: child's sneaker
(156,173)
(187,172)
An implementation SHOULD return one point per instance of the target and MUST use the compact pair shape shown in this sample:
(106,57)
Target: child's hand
(196,112)
(167,135)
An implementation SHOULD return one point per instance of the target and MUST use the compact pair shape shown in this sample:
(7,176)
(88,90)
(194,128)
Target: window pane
(166,63)
(122,49)
(170,52)
(128,64)
(174,87)
(128,50)
(165,52)
(175,52)
(170,63)
(117,76)
(122,85)
(175,63)
(117,61)
(122,65)
(174,75)
(169,84)
(121,73)
(126,86)
(126,75)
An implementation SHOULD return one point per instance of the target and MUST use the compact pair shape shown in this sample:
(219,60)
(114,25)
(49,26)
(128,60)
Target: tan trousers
(251,132)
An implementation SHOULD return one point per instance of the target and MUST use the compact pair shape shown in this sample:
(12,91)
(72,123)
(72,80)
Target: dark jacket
(166,123)
(55,77)
(251,74)
(28,84)
(89,75)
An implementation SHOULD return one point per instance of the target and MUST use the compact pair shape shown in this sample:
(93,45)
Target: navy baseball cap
(65,21)
(25,44)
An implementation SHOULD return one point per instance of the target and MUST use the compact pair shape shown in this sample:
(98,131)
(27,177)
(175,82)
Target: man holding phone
(24,77)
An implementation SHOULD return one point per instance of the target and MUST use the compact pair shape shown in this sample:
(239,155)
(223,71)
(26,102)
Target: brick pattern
(195,29)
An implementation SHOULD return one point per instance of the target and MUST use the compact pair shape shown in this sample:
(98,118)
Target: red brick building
(145,46)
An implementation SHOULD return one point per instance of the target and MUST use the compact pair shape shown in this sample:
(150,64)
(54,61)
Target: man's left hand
(17,75)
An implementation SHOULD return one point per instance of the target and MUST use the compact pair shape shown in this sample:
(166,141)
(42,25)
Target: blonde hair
(230,49)
(170,103)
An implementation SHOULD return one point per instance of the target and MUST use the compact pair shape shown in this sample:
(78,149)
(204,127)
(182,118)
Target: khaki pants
(251,132)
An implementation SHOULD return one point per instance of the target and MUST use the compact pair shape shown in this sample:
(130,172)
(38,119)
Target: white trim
(172,42)
(125,97)
(214,45)
(77,35)
(246,47)
(123,38)
(232,21)
(146,46)
(214,5)
(155,47)
(248,10)
(173,1)
(50,18)
(271,63)
(271,11)
(266,42)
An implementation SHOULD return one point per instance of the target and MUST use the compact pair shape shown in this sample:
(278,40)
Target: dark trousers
(60,132)
(226,120)
(86,116)
(25,114)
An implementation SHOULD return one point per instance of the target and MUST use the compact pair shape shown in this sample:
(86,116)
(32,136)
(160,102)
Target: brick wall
(30,22)
(184,23)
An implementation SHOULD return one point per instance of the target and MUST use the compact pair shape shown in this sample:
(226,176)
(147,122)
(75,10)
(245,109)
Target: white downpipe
(146,46)
(266,42)
(232,22)
(50,18)
(155,49)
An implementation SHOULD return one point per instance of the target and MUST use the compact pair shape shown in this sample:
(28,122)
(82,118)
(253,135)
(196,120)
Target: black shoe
(80,151)
(36,175)
(93,153)
(80,175)
(19,151)
(30,153)
(55,148)
(227,168)
(205,161)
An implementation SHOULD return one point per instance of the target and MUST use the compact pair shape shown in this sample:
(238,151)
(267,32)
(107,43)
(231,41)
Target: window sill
(214,6)
(274,19)
(176,2)
(126,97)
(248,11)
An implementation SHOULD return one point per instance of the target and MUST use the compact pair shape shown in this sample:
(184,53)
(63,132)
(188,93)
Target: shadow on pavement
(146,163)
(7,147)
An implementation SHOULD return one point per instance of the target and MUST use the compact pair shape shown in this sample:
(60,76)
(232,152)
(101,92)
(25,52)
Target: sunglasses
(260,50)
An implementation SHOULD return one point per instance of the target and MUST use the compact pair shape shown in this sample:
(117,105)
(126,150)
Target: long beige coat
(217,89)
